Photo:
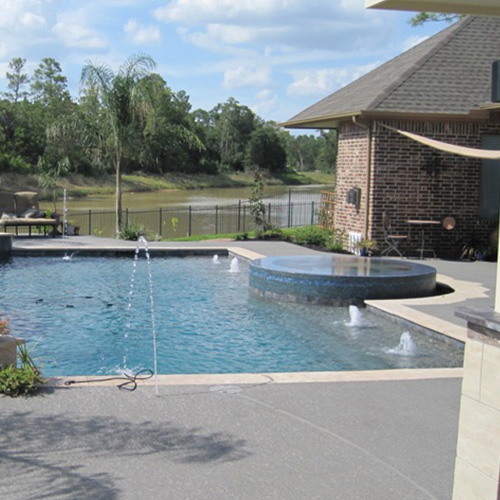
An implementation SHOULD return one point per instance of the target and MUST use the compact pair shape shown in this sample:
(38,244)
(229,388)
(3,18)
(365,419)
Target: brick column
(477,466)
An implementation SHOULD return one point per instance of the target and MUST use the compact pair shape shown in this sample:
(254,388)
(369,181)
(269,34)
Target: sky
(276,56)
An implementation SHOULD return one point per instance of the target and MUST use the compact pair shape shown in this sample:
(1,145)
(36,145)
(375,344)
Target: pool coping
(398,310)
(225,379)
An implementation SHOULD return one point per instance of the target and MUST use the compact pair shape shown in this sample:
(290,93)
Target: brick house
(440,89)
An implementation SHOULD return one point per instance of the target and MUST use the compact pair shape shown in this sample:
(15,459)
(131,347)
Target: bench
(18,222)
(21,210)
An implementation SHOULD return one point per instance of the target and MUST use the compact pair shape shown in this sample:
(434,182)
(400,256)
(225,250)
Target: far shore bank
(79,186)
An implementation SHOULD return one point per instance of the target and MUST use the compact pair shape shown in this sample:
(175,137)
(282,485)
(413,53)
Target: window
(489,192)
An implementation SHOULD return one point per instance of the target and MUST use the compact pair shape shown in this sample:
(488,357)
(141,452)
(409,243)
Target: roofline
(452,32)
(485,7)
(333,121)
(327,121)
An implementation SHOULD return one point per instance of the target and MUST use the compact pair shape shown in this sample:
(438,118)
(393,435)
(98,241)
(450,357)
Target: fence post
(239,214)
(312,212)
(126,217)
(160,221)
(244,217)
(189,220)
(90,222)
(216,219)
(291,215)
(269,213)
(289,208)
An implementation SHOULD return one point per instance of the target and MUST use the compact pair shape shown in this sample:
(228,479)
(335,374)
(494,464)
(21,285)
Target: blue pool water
(74,316)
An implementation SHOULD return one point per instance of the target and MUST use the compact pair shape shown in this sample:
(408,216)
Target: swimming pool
(74,316)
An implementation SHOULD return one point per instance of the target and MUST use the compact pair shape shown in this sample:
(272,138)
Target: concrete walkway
(372,435)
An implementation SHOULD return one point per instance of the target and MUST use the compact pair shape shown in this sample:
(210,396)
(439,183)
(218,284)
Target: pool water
(75,318)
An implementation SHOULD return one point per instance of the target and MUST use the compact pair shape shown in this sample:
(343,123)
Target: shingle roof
(448,73)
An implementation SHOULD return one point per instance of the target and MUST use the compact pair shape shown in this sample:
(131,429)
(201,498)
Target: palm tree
(125,97)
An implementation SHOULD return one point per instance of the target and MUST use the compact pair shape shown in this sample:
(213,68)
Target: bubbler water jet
(142,241)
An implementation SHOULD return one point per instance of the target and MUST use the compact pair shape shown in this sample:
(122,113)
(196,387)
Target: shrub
(336,241)
(132,231)
(312,235)
(21,381)
(273,234)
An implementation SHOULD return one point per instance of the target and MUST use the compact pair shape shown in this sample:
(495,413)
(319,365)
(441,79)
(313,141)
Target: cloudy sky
(276,56)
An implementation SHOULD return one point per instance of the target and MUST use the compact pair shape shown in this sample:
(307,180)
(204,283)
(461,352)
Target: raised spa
(339,279)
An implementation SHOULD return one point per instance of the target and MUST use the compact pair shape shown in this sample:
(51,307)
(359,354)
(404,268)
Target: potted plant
(72,229)
(366,247)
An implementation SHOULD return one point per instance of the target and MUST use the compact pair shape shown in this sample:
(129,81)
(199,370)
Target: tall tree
(233,125)
(17,80)
(126,98)
(169,141)
(49,85)
(265,151)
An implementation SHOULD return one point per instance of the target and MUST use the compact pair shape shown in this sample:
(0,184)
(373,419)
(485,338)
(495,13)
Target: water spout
(65,224)
(235,266)
(215,259)
(69,257)
(356,317)
(142,241)
(406,346)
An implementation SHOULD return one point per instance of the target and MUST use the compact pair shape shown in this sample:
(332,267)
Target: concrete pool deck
(363,435)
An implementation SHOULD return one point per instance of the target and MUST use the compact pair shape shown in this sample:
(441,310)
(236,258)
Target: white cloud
(4,51)
(326,80)
(267,103)
(246,77)
(21,13)
(73,30)
(203,11)
(78,36)
(411,41)
(288,24)
(140,34)
(32,21)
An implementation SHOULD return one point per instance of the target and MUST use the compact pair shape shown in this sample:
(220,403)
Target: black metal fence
(295,208)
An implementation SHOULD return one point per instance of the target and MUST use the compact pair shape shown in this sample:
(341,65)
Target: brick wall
(351,172)
(413,181)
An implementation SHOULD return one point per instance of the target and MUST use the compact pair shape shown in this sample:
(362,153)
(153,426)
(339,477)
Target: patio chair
(391,240)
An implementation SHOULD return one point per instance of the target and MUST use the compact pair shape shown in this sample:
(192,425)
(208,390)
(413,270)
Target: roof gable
(447,73)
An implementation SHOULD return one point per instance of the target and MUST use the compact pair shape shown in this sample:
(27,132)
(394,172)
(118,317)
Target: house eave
(483,8)
(327,121)
(333,121)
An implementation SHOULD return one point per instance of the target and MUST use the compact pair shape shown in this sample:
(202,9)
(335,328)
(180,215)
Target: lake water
(180,197)
(196,211)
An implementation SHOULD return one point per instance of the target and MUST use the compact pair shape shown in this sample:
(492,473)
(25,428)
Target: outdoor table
(423,224)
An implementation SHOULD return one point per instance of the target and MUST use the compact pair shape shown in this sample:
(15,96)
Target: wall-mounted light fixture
(354,197)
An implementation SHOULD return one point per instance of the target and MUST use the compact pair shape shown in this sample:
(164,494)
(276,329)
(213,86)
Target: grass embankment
(80,186)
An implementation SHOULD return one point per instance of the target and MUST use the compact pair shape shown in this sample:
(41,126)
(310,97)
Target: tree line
(43,128)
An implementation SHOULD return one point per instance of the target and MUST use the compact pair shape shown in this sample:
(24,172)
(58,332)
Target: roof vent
(495,81)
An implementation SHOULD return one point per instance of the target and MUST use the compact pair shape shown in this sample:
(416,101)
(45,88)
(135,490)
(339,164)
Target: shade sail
(485,154)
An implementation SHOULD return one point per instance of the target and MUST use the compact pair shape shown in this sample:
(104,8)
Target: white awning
(485,154)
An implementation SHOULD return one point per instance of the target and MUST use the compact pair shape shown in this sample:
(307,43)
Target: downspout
(368,173)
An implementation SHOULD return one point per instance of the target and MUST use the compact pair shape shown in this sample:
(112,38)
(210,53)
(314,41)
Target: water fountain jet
(142,241)
(406,346)
(235,266)
(356,316)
